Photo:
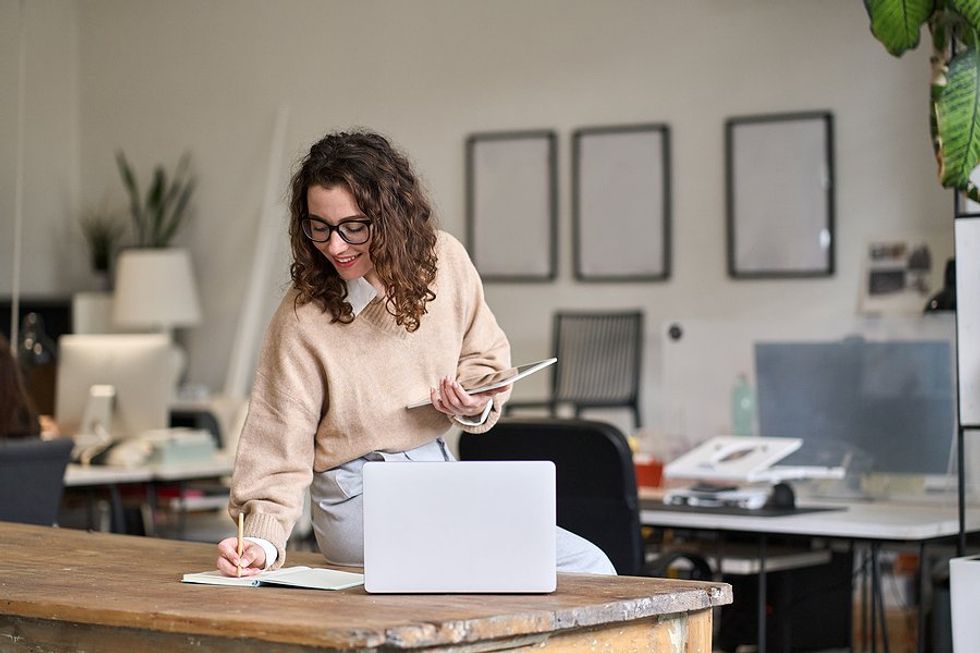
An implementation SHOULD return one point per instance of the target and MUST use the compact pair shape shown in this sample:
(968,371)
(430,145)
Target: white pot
(964,597)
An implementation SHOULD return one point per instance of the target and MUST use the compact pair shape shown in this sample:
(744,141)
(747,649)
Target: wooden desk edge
(45,592)
(408,635)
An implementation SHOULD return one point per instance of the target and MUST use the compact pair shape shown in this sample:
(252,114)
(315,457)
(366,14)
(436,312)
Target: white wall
(52,243)
(156,78)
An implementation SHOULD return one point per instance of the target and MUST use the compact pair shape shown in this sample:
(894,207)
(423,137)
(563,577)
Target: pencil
(241,529)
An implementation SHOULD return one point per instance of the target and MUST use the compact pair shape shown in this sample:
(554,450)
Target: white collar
(360,292)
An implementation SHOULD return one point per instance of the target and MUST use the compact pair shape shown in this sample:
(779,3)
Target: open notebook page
(306,577)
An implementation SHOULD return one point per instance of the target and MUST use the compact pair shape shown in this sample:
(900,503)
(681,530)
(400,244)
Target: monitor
(139,367)
(887,406)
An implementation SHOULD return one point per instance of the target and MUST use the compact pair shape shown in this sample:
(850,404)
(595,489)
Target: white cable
(18,179)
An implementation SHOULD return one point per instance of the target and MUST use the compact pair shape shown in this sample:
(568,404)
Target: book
(506,378)
(305,577)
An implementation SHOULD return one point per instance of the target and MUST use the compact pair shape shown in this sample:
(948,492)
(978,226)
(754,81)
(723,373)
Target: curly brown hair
(403,236)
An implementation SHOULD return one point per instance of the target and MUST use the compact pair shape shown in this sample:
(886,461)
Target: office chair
(599,357)
(596,483)
(32,479)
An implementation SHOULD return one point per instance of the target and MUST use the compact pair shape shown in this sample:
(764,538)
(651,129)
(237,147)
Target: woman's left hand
(450,398)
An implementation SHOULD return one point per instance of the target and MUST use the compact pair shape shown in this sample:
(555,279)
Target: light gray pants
(338,519)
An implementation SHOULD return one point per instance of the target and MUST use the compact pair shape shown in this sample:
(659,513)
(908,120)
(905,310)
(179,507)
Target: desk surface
(82,475)
(873,520)
(63,586)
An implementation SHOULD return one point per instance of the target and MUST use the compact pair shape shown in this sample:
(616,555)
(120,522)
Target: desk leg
(762,595)
(150,518)
(865,599)
(923,580)
(182,514)
(877,601)
(874,598)
(850,612)
(118,517)
(90,507)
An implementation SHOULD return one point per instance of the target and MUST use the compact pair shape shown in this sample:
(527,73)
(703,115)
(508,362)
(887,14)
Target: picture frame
(512,205)
(895,277)
(621,203)
(780,195)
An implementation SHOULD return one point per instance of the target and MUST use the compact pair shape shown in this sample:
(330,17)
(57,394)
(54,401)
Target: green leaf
(897,23)
(135,205)
(158,216)
(178,180)
(154,199)
(968,9)
(179,213)
(958,121)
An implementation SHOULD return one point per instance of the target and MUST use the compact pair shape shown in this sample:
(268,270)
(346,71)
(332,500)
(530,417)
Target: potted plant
(155,287)
(103,229)
(157,217)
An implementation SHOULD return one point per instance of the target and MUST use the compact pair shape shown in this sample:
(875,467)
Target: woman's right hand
(253,557)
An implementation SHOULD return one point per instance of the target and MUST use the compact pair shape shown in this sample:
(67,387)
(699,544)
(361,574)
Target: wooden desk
(65,590)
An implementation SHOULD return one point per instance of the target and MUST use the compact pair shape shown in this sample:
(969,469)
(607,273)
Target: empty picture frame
(511,205)
(621,203)
(780,195)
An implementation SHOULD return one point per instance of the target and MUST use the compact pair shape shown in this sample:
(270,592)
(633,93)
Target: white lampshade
(155,289)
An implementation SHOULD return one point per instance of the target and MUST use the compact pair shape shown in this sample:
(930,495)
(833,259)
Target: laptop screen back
(459,527)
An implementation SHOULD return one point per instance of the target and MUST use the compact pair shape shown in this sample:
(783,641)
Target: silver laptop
(452,527)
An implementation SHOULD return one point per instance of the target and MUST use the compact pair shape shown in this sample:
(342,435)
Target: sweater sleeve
(274,462)
(485,350)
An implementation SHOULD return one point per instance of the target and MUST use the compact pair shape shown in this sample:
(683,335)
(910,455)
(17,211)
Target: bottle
(743,406)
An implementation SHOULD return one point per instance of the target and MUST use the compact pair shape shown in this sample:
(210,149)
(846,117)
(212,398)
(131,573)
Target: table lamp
(155,291)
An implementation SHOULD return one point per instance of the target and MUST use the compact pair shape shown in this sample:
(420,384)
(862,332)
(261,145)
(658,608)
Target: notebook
(506,377)
(456,527)
(306,577)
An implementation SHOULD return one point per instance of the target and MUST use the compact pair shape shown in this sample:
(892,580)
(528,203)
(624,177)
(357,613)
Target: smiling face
(333,206)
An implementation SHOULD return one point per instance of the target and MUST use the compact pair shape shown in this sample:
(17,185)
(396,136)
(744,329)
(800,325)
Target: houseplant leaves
(157,217)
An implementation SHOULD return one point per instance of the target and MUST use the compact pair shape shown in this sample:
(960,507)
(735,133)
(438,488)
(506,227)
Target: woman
(17,416)
(383,310)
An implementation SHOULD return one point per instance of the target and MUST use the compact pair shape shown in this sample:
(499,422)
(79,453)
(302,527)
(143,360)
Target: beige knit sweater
(326,393)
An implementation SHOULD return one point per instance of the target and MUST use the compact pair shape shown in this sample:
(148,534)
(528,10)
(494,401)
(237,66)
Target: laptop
(458,527)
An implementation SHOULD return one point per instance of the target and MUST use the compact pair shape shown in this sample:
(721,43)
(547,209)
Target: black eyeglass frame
(331,228)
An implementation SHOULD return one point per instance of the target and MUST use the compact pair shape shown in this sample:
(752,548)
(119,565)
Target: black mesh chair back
(599,357)
(32,479)
(596,482)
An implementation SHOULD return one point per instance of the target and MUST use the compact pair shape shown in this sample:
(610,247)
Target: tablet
(512,375)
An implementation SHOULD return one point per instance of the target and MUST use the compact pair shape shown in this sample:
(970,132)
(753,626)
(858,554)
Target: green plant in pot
(954,116)
(103,229)
(155,286)
(158,216)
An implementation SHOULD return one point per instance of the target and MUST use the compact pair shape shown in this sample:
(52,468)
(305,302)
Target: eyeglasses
(354,232)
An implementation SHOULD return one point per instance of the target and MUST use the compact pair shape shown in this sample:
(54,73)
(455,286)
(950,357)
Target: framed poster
(511,205)
(780,195)
(621,203)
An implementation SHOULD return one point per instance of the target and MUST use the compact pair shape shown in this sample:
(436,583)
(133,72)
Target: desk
(72,590)
(112,477)
(874,522)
